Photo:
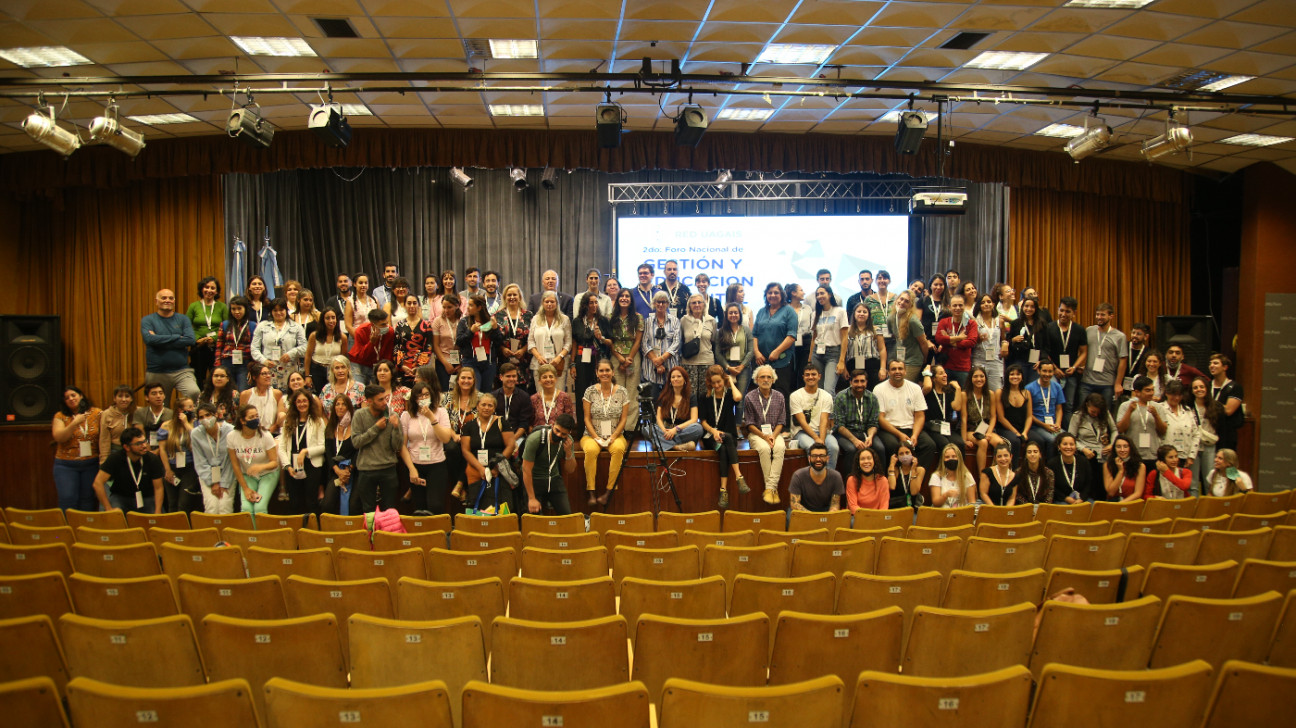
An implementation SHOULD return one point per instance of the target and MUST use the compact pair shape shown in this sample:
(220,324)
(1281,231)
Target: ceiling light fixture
(330,124)
(910,130)
(516,110)
(549,178)
(356,110)
(1061,131)
(723,179)
(247,125)
(1005,60)
(1091,140)
(1226,82)
(609,118)
(741,114)
(503,49)
(893,116)
(460,177)
(45,130)
(44,57)
(1256,140)
(794,53)
(1177,138)
(690,125)
(107,130)
(518,175)
(273,46)
(158,119)
(1117,4)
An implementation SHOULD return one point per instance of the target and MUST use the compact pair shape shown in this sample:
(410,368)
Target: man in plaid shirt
(855,411)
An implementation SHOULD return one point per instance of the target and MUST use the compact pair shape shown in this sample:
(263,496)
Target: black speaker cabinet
(1194,333)
(31,349)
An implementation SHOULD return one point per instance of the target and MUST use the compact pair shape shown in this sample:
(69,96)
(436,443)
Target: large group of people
(385,397)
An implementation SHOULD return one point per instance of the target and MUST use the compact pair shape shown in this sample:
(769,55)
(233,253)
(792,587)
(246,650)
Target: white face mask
(207,422)
(425,402)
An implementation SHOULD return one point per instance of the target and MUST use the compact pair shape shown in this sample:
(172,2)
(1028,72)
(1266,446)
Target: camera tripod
(647,420)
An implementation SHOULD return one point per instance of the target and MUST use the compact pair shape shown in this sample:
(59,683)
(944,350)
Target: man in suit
(549,282)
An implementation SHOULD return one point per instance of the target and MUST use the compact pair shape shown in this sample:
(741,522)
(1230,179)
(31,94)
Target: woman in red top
(1124,474)
(1168,480)
(865,488)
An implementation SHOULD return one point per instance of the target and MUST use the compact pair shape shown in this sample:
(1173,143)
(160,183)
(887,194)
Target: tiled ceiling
(1123,50)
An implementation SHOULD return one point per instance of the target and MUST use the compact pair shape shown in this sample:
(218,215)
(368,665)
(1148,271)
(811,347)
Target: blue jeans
(486,375)
(1071,400)
(74,481)
(361,373)
(1045,439)
(804,439)
(1106,390)
(692,433)
(826,363)
(238,374)
(961,378)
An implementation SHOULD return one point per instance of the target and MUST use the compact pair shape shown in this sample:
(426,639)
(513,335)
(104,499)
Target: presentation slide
(754,251)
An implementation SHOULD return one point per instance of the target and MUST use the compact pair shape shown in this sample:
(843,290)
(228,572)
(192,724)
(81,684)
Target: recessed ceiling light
(1006,60)
(258,46)
(795,53)
(156,119)
(1256,140)
(516,110)
(1062,131)
(1119,4)
(44,57)
(738,114)
(1225,82)
(893,116)
(356,110)
(514,48)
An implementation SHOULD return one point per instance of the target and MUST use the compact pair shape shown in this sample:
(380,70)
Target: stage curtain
(97,257)
(1133,254)
(975,243)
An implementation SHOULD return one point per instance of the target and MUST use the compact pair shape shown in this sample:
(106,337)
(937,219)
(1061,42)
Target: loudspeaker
(690,125)
(607,122)
(1192,333)
(31,350)
(910,130)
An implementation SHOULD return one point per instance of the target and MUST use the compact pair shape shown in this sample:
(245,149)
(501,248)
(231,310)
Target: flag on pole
(270,264)
(237,275)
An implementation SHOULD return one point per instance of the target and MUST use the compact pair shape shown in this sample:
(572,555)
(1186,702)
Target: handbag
(690,348)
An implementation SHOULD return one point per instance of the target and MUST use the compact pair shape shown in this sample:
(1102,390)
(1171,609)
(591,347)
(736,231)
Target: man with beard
(816,487)
(340,300)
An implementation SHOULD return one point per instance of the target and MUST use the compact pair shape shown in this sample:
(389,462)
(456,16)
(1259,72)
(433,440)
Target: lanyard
(715,406)
(548,408)
(940,401)
(300,437)
(1045,395)
(980,405)
(238,334)
(765,408)
(885,303)
(1102,339)
(859,411)
(1004,490)
(671,293)
(135,477)
(1070,476)
(207,313)
(513,322)
(1066,336)
(157,416)
(647,301)
(603,401)
(1215,391)
(1146,416)
(508,404)
(1034,485)
(1134,362)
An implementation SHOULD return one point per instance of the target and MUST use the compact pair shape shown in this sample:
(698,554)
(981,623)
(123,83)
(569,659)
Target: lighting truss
(635,192)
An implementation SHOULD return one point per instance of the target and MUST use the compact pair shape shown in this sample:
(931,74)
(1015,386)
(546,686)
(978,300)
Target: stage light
(460,177)
(549,178)
(910,129)
(518,175)
(690,125)
(608,120)
(1093,139)
(107,130)
(46,131)
(247,125)
(1175,139)
(330,124)
(723,179)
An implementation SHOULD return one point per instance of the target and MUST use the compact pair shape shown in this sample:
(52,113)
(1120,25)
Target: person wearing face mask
(254,458)
(175,448)
(905,476)
(208,442)
(371,342)
(376,435)
(951,484)
(301,452)
(135,475)
(816,488)
(426,428)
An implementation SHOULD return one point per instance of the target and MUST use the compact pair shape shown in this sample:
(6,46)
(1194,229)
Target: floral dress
(519,329)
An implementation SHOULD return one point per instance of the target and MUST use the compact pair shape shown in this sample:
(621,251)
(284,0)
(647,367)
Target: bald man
(167,339)
(549,282)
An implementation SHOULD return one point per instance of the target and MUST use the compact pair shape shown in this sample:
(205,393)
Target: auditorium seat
(294,705)
(1099,587)
(1201,524)
(1282,649)
(308,538)
(563,541)
(95,519)
(110,536)
(193,537)
(615,706)
(1248,694)
(426,524)
(601,523)
(39,518)
(769,536)
(21,534)
(866,519)
(755,522)
(1076,513)
(282,539)
(772,597)
(810,521)
(927,533)
(34,638)
(859,593)
(852,534)
(1250,522)
(1005,515)
(486,524)
(148,521)
(259,597)
(996,699)
(1159,527)
(305,596)
(570,524)
(1011,530)
(470,541)
(681,522)
(283,563)
(686,599)
(906,557)
(702,539)
(352,564)
(212,562)
(1255,503)
(1092,553)
(1082,697)
(1213,581)
(1215,630)
(144,597)
(816,702)
(1115,511)
(1172,548)
(420,600)
(561,601)
(774,561)
(388,653)
(929,517)
(17,560)
(151,653)
(270,522)
(569,655)
(957,643)
(1283,546)
(1154,509)
(333,522)
(1257,576)
(425,541)
(966,589)
(306,648)
(222,704)
(668,564)
(1102,636)
(116,562)
(732,651)
(1209,506)
(1076,529)
(31,594)
(572,565)
(834,557)
(33,703)
(1239,546)
(4,533)
(640,540)
(220,521)
(446,565)
(995,556)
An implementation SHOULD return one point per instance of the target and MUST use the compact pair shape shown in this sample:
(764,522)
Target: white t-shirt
(810,405)
(251,451)
(829,330)
(954,492)
(900,403)
(1219,483)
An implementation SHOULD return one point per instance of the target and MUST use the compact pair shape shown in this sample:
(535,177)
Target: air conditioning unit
(938,203)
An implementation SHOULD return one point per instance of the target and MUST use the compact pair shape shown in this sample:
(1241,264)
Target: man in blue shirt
(642,295)
(167,339)
(774,334)
(1047,397)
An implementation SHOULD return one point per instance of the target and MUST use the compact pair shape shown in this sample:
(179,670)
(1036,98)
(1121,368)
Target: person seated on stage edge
(903,413)
(855,412)
(817,487)
(764,412)
(719,419)
(812,413)
(677,425)
(607,407)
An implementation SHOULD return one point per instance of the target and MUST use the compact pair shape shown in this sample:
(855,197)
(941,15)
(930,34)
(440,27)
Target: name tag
(139,499)
(821,348)
(859,363)
(424,452)
(605,429)
(236,356)
(1033,356)
(1048,419)
(900,353)
(1100,364)
(983,428)
(885,331)
(215,476)
(587,354)
(514,344)
(483,457)
(990,353)
(1064,361)
(453,358)
(1128,382)
(85,449)
(153,439)
(181,460)
(1145,440)
(767,429)
(275,353)
(735,353)
(480,353)
(945,429)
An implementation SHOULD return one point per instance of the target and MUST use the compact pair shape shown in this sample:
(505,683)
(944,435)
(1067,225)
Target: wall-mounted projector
(938,203)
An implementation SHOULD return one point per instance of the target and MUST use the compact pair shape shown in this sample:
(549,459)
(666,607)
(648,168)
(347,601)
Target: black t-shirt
(682,412)
(1077,476)
(1229,424)
(722,418)
(516,411)
(1053,346)
(120,469)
